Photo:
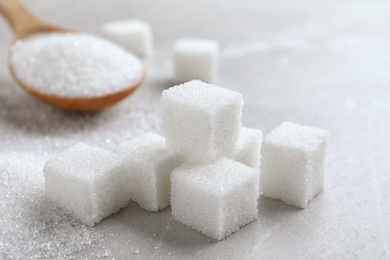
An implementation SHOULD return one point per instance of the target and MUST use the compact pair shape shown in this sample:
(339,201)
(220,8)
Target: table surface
(319,63)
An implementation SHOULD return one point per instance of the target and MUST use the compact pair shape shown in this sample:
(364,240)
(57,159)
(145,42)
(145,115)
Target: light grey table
(320,63)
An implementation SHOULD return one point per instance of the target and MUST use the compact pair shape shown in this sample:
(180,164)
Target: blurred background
(319,63)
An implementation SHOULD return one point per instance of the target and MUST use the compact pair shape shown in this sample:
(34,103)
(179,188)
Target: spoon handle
(21,19)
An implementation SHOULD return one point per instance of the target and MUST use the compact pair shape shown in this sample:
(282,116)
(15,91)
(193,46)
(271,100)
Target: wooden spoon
(25,24)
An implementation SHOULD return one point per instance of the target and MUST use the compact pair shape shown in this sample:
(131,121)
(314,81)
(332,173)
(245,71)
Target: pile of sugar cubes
(207,167)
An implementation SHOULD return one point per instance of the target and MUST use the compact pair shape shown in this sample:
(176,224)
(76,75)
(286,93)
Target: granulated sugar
(37,128)
(74,65)
(30,226)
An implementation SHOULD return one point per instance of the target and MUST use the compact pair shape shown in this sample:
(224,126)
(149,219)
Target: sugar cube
(293,163)
(201,119)
(196,59)
(149,163)
(249,147)
(216,198)
(88,182)
(134,35)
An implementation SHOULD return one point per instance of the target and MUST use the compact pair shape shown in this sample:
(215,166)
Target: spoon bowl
(25,24)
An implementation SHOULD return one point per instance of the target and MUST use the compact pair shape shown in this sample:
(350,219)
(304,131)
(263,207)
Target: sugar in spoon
(26,26)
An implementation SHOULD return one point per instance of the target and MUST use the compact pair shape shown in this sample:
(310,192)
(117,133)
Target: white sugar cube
(201,119)
(149,162)
(89,183)
(249,147)
(293,163)
(196,59)
(134,35)
(215,199)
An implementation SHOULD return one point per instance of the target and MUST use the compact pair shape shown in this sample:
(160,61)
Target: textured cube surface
(149,163)
(87,182)
(201,119)
(196,59)
(215,199)
(134,35)
(324,64)
(293,163)
(249,147)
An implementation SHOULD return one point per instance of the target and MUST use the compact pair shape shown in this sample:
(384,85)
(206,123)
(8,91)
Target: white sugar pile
(74,65)
(30,226)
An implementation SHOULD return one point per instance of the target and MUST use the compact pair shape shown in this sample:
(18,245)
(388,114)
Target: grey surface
(320,63)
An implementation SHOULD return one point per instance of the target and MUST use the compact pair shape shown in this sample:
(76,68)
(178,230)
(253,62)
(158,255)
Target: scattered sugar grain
(31,227)
(53,130)
(74,65)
